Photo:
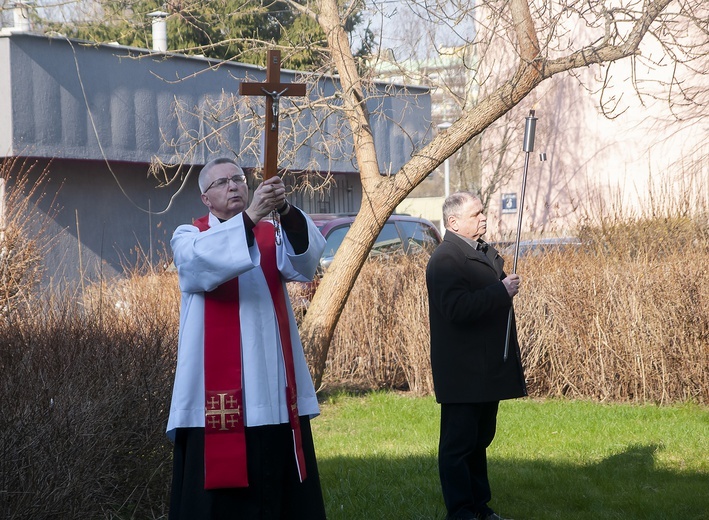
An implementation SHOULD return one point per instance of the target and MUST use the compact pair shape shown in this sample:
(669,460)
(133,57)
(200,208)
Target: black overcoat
(468,309)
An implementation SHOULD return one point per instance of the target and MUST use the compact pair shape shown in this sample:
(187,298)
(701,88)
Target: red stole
(224,439)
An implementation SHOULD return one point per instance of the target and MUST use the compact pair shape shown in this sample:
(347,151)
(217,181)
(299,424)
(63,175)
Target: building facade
(121,134)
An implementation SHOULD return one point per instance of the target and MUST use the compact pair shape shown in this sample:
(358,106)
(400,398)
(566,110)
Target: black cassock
(274,492)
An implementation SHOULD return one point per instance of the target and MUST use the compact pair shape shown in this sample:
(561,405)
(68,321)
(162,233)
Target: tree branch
(303,9)
(606,52)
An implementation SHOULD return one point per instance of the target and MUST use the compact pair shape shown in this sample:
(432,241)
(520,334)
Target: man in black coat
(469,298)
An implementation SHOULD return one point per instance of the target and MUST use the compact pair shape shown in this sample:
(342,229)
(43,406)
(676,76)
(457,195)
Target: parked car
(400,234)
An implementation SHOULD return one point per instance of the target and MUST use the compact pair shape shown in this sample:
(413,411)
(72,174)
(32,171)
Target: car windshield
(387,242)
(419,237)
(334,239)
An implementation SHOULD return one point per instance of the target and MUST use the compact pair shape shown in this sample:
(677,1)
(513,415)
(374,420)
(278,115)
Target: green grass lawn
(551,459)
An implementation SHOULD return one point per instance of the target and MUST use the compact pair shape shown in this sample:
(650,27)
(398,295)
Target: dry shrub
(382,338)
(84,385)
(85,393)
(626,318)
(23,235)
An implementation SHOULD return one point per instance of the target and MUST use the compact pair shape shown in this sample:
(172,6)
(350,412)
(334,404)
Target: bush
(382,338)
(85,392)
(24,238)
(625,318)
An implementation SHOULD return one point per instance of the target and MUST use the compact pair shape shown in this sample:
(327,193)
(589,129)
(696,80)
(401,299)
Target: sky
(412,28)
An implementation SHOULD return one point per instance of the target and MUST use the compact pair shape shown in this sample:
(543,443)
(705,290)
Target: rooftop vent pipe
(20,19)
(159,25)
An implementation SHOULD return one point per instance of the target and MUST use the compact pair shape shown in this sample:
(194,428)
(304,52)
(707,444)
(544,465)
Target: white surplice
(205,260)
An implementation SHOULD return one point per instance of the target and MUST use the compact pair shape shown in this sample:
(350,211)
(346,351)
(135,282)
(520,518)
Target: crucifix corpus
(274,90)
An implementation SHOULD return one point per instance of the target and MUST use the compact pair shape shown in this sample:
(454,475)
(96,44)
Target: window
(388,240)
(418,237)
(334,239)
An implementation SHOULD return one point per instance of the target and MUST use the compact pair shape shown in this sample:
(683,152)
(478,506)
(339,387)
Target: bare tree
(537,41)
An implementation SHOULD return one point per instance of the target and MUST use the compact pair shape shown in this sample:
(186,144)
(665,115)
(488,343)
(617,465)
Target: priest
(243,396)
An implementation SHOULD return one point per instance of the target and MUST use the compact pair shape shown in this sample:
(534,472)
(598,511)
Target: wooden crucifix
(273,89)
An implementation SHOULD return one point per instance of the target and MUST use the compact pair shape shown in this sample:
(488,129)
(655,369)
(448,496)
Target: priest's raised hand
(269,196)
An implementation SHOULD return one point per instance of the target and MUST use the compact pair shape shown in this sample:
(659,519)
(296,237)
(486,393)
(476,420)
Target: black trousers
(467,429)
(274,492)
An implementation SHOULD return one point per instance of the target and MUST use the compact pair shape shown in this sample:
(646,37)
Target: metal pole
(527,147)
(447,176)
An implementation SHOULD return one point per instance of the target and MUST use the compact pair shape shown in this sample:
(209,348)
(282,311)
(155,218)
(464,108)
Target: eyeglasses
(224,181)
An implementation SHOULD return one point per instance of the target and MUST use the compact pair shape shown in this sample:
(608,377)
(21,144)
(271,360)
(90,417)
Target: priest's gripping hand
(269,196)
